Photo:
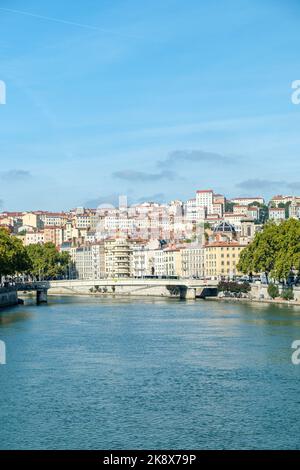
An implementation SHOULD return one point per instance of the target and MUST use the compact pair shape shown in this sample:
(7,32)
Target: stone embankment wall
(260,291)
(8,297)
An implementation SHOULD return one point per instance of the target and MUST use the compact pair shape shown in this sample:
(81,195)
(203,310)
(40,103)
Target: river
(104,373)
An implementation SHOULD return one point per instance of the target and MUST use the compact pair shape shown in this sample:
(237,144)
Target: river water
(103,373)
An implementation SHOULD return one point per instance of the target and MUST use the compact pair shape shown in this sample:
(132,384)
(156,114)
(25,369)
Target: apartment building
(167,262)
(142,261)
(221,258)
(32,219)
(89,261)
(294,209)
(190,211)
(277,213)
(117,257)
(32,238)
(205,200)
(280,199)
(54,219)
(247,201)
(53,234)
(192,261)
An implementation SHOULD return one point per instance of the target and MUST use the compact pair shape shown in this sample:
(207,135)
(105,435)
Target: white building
(143,258)
(205,199)
(32,238)
(246,201)
(277,213)
(192,261)
(89,261)
(294,210)
(190,210)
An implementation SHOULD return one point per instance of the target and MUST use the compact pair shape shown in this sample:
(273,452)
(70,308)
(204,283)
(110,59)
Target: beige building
(32,220)
(54,235)
(117,257)
(57,219)
(167,262)
(221,258)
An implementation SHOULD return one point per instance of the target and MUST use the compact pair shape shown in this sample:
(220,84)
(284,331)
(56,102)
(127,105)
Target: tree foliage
(13,255)
(274,251)
(229,206)
(47,262)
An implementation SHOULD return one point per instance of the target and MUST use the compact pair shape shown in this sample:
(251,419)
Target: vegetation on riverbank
(37,261)
(274,251)
(234,289)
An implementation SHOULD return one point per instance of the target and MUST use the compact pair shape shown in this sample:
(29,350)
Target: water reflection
(13,315)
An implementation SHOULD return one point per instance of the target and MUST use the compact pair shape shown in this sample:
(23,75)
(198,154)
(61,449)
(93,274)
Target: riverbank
(287,303)
(133,295)
(291,303)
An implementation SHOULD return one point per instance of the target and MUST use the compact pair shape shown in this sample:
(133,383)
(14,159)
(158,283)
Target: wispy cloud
(15,175)
(67,22)
(271,185)
(195,156)
(295,186)
(136,176)
(108,200)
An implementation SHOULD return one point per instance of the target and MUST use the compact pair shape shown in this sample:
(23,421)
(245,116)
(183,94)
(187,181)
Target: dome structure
(224,227)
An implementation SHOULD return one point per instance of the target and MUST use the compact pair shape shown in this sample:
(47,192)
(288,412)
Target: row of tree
(37,261)
(274,251)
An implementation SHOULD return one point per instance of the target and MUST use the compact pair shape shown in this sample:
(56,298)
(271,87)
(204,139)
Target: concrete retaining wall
(260,291)
(8,298)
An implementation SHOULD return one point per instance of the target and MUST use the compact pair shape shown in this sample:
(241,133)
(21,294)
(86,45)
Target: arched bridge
(183,288)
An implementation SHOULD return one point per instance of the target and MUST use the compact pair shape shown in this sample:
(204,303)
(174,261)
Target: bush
(287,294)
(234,287)
(273,291)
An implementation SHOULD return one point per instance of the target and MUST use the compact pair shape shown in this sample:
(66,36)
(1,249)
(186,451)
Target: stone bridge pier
(187,293)
(42,296)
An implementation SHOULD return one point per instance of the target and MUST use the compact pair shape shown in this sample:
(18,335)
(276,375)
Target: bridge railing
(28,286)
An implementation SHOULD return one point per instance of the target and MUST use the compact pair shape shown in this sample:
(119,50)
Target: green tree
(13,255)
(263,213)
(288,249)
(274,251)
(259,256)
(273,290)
(229,206)
(47,262)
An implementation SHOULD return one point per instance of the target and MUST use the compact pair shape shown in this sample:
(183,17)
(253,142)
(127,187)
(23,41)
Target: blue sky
(149,99)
